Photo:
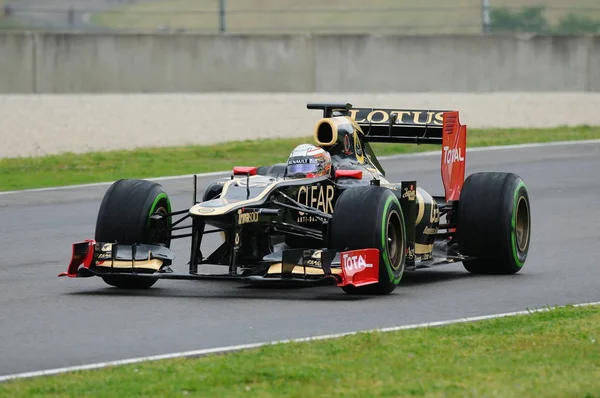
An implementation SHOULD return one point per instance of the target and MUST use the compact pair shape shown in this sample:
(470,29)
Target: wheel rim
(522,224)
(160,234)
(394,240)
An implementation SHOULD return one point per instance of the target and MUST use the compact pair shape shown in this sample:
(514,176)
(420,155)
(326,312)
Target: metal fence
(210,16)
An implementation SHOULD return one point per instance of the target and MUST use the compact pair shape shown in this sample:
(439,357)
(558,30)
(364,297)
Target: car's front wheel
(371,217)
(124,217)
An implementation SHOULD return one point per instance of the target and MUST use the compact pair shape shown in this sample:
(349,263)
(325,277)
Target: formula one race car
(326,216)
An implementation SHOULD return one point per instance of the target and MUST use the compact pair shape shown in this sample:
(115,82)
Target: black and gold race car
(350,227)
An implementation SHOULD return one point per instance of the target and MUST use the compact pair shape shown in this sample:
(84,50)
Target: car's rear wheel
(371,217)
(124,217)
(494,223)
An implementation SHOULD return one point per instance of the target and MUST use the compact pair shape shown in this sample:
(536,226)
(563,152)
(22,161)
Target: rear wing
(413,126)
(406,126)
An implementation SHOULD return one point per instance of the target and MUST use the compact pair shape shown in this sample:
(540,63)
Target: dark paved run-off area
(47,322)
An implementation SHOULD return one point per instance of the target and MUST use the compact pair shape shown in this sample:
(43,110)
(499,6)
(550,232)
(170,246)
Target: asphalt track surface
(49,322)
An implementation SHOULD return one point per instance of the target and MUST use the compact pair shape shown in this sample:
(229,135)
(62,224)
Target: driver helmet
(308,161)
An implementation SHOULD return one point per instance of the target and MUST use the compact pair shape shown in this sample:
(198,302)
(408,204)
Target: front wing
(298,266)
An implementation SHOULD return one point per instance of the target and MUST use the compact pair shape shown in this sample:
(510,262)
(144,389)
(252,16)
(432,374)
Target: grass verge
(548,354)
(68,169)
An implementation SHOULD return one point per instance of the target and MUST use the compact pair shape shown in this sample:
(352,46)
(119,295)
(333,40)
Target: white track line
(221,350)
(100,184)
(497,148)
(390,157)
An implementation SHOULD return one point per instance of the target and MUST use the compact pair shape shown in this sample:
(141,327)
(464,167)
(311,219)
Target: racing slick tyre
(124,217)
(494,223)
(371,217)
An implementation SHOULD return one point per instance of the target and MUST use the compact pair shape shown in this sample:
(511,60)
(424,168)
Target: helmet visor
(303,168)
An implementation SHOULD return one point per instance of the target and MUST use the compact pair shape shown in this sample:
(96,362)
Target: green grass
(554,353)
(69,169)
(407,16)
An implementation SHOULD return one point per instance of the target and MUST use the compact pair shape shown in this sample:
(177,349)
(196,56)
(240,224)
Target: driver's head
(308,161)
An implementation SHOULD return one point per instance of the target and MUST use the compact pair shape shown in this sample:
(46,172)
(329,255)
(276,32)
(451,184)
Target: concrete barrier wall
(131,63)
(17,64)
(594,65)
(106,63)
(452,63)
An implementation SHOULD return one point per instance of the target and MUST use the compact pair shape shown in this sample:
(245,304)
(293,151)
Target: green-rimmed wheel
(494,223)
(124,217)
(371,217)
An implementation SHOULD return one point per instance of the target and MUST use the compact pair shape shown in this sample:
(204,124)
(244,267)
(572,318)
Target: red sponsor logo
(452,155)
(354,263)
(360,267)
